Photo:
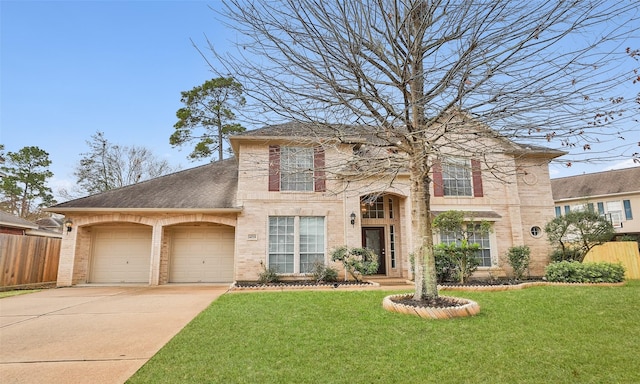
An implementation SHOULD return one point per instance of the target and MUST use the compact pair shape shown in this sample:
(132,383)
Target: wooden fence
(625,252)
(28,260)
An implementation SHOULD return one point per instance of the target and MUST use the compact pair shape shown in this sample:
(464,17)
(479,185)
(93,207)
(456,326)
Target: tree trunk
(425,267)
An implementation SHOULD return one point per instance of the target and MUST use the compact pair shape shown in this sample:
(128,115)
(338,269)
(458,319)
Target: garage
(120,254)
(202,254)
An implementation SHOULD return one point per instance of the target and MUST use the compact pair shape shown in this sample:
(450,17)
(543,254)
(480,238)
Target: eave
(144,210)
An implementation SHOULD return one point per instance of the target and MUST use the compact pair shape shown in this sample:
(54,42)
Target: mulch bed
(438,302)
(300,283)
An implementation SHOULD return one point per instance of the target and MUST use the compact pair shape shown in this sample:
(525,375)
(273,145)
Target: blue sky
(71,68)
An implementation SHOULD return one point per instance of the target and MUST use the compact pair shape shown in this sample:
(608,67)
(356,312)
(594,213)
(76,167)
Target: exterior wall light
(353,218)
(69,225)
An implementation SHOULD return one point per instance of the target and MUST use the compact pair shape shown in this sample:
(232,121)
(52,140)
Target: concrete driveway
(92,334)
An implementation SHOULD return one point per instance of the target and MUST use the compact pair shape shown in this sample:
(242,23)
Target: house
(14,225)
(615,194)
(286,200)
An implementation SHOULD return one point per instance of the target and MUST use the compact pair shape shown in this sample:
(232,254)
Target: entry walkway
(92,334)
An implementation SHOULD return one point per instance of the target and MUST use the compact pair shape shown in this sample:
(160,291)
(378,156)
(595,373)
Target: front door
(373,238)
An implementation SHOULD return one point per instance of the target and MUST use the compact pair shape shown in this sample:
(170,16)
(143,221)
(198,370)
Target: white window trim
(296,242)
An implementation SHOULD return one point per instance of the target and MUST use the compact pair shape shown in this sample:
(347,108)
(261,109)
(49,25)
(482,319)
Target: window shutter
(476,175)
(274,168)
(318,170)
(438,183)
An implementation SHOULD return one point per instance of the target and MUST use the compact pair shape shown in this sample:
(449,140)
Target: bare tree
(410,78)
(107,166)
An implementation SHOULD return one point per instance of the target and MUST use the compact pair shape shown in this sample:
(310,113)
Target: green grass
(537,335)
(17,292)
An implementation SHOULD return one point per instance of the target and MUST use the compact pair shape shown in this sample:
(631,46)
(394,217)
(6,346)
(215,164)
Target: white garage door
(121,255)
(202,255)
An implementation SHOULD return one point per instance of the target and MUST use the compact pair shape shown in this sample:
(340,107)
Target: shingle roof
(597,184)
(208,186)
(9,220)
(298,131)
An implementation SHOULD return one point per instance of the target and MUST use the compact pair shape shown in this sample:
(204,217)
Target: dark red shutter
(318,170)
(476,175)
(438,184)
(274,167)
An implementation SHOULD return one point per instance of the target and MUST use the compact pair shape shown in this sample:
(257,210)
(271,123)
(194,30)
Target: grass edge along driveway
(536,335)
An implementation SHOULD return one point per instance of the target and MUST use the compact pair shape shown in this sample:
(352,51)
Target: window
(601,208)
(392,245)
(567,209)
(627,209)
(536,231)
(475,236)
(614,210)
(311,242)
(295,243)
(372,208)
(457,177)
(558,211)
(296,169)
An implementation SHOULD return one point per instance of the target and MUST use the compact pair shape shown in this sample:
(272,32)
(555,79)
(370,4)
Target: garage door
(202,255)
(121,255)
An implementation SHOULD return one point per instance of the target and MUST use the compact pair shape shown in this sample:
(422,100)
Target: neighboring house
(14,225)
(614,194)
(50,223)
(285,201)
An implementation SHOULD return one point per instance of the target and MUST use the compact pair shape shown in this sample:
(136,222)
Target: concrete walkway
(92,334)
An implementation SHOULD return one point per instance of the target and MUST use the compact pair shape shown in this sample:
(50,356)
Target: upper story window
(457,177)
(296,169)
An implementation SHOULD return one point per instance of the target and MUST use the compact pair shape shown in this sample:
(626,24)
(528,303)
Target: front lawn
(553,334)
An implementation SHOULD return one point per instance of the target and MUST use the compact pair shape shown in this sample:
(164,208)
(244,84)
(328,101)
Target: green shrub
(357,261)
(575,272)
(446,270)
(462,256)
(322,273)
(518,258)
(268,275)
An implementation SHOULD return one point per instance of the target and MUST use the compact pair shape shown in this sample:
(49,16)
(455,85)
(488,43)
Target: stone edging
(468,308)
(522,286)
(304,286)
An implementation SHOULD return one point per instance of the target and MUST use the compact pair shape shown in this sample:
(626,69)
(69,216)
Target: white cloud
(628,163)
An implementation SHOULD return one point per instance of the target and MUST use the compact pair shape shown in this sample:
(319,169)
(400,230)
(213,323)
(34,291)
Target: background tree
(576,232)
(208,106)
(107,166)
(410,76)
(23,184)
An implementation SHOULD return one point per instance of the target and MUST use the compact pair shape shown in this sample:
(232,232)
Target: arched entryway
(381,224)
